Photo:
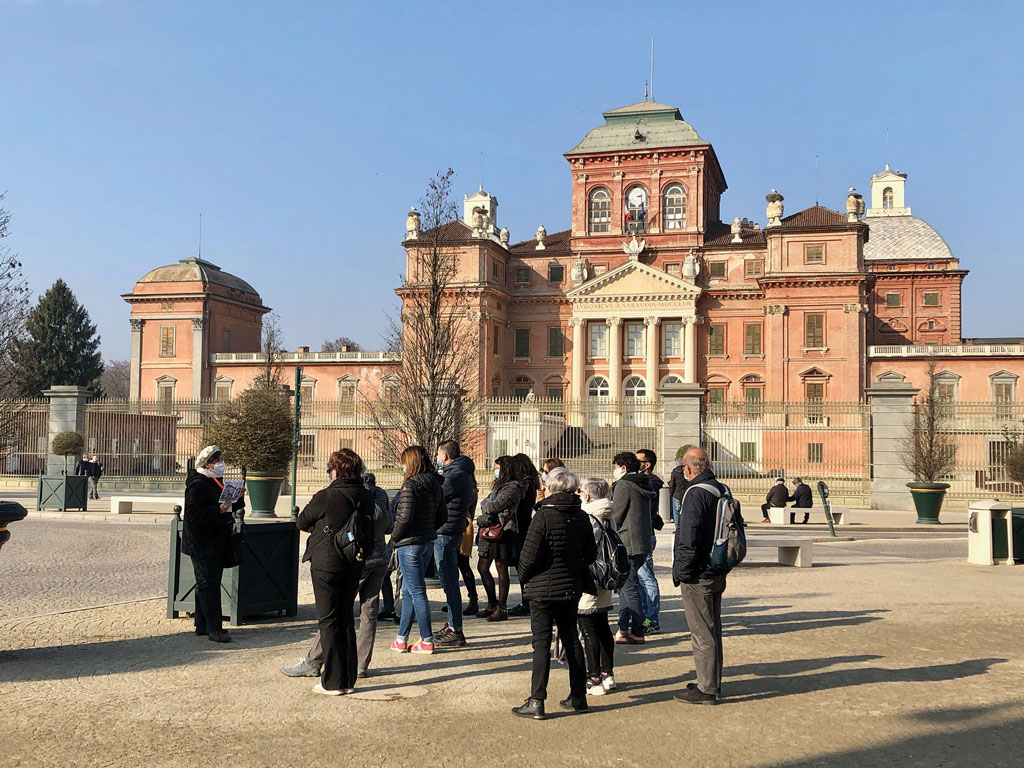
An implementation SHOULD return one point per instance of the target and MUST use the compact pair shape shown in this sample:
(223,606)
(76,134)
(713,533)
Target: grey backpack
(730,544)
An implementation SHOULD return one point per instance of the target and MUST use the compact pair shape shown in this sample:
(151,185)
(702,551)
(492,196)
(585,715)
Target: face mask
(403,469)
(440,464)
(497,473)
(544,476)
(220,468)
(618,472)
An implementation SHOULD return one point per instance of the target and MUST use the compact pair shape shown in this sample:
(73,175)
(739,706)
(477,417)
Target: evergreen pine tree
(61,346)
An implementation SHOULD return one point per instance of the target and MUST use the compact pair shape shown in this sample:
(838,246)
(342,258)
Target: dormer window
(599,214)
(636,210)
(887,199)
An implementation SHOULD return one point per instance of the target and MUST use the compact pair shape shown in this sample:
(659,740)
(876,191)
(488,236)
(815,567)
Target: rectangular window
(752,402)
(347,393)
(555,393)
(672,340)
(814,254)
(634,339)
(556,273)
(496,345)
(716,400)
(752,339)
(308,391)
(390,392)
(931,298)
(945,396)
(494,270)
(815,453)
(748,452)
(892,300)
(1003,396)
(222,391)
(716,339)
(814,330)
(522,342)
(225,340)
(556,342)
(754,267)
(598,340)
(814,393)
(521,393)
(166,341)
(674,269)
(522,275)
(717,270)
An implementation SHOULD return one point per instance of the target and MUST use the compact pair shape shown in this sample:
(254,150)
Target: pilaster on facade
(135,362)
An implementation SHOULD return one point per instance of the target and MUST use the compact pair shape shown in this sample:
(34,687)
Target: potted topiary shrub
(255,432)
(64,491)
(929,453)
(1015,472)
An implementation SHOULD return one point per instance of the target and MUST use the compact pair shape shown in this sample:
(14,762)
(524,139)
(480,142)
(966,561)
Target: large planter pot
(928,501)
(263,490)
(62,492)
(10,512)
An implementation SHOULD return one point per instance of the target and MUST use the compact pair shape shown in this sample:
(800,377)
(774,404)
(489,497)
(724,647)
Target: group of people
(779,496)
(92,468)
(547,524)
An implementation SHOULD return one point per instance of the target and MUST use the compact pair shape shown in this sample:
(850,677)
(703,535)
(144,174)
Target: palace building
(648,286)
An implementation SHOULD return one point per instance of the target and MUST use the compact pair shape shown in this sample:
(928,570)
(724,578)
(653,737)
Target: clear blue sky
(304,131)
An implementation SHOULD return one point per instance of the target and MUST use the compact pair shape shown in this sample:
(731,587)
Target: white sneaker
(301,669)
(320,689)
(608,683)
(595,688)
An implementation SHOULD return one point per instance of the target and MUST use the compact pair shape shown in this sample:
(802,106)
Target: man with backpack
(700,582)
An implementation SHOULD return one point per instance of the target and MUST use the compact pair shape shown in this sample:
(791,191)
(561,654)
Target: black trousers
(598,643)
(208,614)
(334,593)
(562,614)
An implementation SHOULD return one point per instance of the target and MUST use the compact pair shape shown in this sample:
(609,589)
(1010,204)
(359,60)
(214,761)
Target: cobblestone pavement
(888,652)
(57,565)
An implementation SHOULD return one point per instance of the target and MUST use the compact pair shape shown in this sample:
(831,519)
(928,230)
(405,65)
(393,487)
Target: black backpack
(354,540)
(610,568)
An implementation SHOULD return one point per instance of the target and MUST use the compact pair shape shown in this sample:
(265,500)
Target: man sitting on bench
(802,498)
(778,496)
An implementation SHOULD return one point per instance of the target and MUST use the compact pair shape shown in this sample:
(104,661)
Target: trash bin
(989,535)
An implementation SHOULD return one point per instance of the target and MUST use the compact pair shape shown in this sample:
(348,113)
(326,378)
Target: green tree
(61,346)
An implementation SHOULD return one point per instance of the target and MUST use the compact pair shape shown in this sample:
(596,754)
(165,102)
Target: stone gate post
(892,416)
(67,414)
(683,404)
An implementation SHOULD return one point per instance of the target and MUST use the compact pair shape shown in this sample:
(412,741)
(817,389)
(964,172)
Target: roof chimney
(303,350)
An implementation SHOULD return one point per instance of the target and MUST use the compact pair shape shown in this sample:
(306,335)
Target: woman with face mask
(499,508)
(206,538)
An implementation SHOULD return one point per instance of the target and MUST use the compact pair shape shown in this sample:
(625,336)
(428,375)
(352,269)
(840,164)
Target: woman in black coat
(335,579)
(206,538)
(499,508)
(554,567)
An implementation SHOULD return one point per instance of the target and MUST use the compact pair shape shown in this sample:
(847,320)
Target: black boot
(575,705)
(531,708)
(523,609)
(471,609)
(807,516)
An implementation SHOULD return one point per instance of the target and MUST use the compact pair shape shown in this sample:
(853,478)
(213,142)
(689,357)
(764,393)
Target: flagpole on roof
(652,69)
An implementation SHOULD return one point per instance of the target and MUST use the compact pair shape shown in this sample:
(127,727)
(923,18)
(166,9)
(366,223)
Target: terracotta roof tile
(815,216)
(719,235)
(453,230)
(557,242)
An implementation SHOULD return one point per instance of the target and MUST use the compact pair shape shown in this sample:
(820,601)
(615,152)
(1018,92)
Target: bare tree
(272,347)
(14,310)
(115,380)
(929,451)
(335,345)
(432,335)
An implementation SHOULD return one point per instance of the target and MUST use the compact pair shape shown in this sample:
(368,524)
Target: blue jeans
(446,555)
(413,560)
(631,617)
(650,594)
(675,510)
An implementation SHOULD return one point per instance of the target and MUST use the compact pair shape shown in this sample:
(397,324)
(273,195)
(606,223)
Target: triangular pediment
(635,280)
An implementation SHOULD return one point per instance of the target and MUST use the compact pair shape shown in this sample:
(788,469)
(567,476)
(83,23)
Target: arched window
(636,387)
(599,214)
(673,207)
(672,379)
(887,198)
(598,387)
(636,209)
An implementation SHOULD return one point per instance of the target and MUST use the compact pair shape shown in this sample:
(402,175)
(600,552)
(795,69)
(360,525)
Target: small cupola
(887,195)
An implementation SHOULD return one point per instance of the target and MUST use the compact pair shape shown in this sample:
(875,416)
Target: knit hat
(780,480)
(206,454)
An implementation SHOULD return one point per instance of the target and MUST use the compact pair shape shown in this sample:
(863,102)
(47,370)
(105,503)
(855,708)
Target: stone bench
(793,550)
(780,515)
(122,505)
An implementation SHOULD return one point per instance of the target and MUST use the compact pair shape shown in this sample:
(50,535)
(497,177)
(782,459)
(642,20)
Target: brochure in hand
(232,491)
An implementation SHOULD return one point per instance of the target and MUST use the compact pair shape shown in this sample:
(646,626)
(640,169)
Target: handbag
(234,552)
(491,532)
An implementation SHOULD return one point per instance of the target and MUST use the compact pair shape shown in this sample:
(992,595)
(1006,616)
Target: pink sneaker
(400,646)
(423,647)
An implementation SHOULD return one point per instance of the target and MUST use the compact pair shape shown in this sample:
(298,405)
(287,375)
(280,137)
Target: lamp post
(297,437)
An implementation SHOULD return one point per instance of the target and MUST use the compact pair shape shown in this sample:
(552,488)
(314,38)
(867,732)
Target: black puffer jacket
(421,510)
(778,496)
(524,512)
(327,512)
(802,497)
(459,495)
(677,482)
(695,533)
(558,549)
(206,530)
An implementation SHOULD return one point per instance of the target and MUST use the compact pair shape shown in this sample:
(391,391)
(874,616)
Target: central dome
(194,270)
(644,125)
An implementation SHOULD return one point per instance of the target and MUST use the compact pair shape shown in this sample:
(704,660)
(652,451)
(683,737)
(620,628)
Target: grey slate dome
(903,237)
(193,270)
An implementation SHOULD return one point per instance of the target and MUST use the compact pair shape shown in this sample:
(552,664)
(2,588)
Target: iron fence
(24,435)
(751,443)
